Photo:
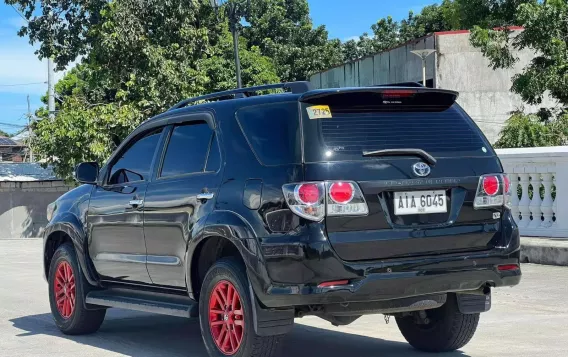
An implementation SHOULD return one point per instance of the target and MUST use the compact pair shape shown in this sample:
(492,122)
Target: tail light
(306,199)
(493,191)
(312,200)
(344,198)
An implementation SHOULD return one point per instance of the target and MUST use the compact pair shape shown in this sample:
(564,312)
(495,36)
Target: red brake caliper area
(226,317)
(64,289)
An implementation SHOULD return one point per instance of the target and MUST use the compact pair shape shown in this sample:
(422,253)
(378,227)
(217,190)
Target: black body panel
(383,235)
(157,245)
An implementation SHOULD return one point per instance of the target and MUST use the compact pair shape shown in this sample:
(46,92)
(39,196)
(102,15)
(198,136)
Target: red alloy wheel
(64,289)
(226,317)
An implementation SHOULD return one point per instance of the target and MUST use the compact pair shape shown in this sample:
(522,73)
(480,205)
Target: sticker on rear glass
(319,112)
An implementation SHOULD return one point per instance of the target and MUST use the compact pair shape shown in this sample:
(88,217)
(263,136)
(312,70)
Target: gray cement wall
(23,206)
(394,66)
(484,93)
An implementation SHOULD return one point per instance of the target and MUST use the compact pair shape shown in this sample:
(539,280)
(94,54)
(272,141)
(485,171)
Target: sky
(19,65)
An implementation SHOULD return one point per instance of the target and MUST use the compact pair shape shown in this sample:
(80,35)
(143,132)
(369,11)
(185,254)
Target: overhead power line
(19,13)
(21,84)
(12,125)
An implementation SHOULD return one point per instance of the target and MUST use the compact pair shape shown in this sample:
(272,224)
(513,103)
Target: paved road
(528,320)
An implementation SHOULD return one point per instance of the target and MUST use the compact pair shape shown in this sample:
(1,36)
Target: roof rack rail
(294,87)
(403,84)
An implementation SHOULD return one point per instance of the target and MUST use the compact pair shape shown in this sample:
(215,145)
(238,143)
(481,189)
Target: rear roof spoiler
(321,93)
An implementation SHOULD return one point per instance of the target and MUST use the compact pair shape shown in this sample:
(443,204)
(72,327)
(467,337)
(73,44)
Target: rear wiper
(402,152)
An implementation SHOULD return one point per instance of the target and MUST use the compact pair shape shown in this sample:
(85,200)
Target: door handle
(205,196)
(135,203)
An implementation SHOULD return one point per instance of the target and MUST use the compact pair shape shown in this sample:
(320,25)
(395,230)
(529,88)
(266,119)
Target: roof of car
(233,100)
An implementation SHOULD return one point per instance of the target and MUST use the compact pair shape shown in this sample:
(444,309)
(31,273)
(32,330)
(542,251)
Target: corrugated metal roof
(25,172)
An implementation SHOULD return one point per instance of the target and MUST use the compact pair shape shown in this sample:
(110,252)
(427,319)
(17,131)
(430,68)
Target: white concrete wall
(484,92)
(544,169)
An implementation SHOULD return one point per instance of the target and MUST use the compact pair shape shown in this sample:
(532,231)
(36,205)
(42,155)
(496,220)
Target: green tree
(530,130)
(140,57)
(545,32)
(388,33)
(284,32)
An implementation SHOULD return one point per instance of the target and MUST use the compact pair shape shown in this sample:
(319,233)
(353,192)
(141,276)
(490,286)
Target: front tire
(225,314)
(447,328)
(67,291)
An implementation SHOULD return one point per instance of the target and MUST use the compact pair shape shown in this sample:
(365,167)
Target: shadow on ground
(140,335)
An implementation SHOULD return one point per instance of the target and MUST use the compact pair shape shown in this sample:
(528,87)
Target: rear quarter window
(273,132)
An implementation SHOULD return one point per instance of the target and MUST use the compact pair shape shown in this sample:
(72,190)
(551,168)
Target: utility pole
(50,89)
(30,118)
(235,10)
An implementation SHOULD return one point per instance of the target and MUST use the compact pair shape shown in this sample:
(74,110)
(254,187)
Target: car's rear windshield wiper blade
(402,152)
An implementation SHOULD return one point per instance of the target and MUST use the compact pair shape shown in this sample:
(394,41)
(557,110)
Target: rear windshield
(344,133)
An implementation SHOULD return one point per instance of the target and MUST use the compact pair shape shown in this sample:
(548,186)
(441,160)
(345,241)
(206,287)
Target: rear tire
(225,277)
(67,291)
(447,330)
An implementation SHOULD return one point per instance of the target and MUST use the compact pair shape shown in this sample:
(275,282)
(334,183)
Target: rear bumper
(291,273)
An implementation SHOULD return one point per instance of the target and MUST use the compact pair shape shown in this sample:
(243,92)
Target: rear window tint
(273,132)
(349,133)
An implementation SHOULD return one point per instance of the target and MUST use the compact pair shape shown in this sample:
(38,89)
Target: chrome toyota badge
(421,169)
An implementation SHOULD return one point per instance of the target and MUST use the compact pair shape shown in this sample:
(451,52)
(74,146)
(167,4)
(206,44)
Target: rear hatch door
(417,157)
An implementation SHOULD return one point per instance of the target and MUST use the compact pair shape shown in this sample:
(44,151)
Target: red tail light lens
(491,185)
(341,192)
(308,193)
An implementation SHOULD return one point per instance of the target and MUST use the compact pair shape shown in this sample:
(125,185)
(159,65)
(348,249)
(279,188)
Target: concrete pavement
(527,320)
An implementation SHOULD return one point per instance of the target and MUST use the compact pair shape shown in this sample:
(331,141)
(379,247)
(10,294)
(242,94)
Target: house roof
(25,172)
(4,141)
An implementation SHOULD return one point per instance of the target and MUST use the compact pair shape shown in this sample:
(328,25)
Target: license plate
(420,202)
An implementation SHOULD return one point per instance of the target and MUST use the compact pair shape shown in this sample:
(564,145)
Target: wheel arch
(67,228)
(233,237)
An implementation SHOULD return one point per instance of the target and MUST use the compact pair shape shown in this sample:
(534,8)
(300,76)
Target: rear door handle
(136,203)
(205,196)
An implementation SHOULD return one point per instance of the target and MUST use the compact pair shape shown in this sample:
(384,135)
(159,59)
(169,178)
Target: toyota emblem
(421,169)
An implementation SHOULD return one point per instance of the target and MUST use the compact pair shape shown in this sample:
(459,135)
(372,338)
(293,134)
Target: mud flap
(270,322)
(473,303)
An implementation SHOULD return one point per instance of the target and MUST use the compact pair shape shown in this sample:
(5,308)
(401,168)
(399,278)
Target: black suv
(250,210)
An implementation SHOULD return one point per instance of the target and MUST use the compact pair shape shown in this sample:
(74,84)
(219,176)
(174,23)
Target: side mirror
(87,172)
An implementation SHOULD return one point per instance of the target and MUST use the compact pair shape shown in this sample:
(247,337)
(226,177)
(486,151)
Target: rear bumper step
(157,303)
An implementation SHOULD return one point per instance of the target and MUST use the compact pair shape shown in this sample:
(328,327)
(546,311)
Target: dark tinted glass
(214,159)
(134,165)
(273,132)
(350,132)
(187,149)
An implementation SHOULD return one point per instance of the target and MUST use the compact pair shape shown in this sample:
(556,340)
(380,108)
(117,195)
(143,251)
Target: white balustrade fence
(539,178)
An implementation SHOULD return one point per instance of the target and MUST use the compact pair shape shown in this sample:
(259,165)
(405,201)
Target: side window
(135,162)
(273,132)
(187,149)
